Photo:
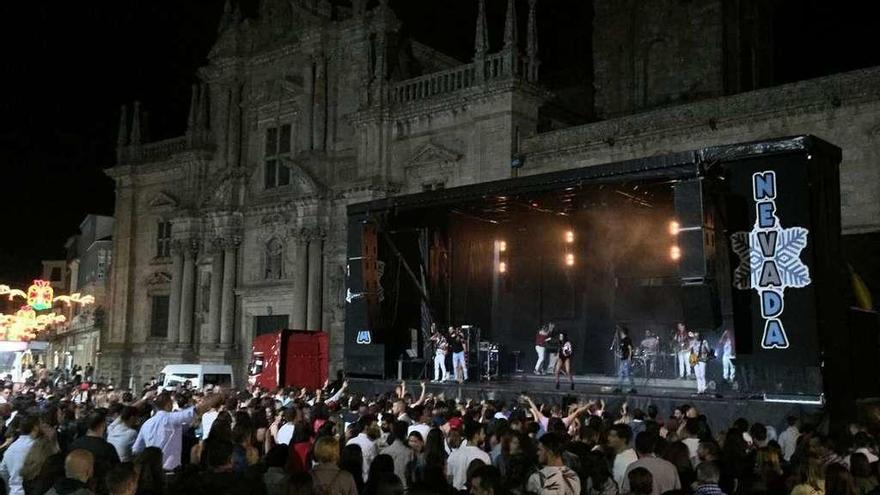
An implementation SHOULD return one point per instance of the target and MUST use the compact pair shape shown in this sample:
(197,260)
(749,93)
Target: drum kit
(651,359)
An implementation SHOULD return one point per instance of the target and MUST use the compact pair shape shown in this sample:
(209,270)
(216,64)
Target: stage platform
(721,408)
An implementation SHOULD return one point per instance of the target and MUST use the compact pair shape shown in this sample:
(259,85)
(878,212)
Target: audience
(79,441)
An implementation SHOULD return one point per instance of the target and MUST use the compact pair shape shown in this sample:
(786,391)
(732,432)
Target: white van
(198,375)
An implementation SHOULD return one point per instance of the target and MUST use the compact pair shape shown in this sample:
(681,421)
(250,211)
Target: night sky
(68,66)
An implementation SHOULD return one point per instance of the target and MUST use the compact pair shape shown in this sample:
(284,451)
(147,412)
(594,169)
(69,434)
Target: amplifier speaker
(696,238)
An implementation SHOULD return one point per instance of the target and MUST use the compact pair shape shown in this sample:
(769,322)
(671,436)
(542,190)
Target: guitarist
(682,340)
(700,355)
(441,348)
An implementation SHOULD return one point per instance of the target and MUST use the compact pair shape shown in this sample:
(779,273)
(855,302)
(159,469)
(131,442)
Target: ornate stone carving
(162,201)
(158,279)
(432,153)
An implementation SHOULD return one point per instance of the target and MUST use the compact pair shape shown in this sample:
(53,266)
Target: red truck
(289,358)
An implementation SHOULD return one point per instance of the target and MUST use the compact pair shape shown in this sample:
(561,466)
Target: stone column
(316,263)
(319,115)
(308,118)
(174,300)
(227,314)
(188,292)
(300,284)
(216,291)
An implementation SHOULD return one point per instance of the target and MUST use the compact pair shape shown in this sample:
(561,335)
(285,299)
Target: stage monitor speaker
(696,240)
(701,307)
(366,365)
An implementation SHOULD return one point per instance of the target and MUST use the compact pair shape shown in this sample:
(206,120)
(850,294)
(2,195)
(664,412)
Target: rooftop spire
(510,28)
(136,124)
(193,109)
(226,18)
(122,137)
(481,41)
(532,42)
(202,115)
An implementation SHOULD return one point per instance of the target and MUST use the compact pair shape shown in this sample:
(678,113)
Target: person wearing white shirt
(728,356)
(861,444)
(122,433)
(15,455)
(422,416)
(367,441)
(285,433)
(788,438)
(460,459)
(165,429)
(692,429)
(208,421)
(619,438)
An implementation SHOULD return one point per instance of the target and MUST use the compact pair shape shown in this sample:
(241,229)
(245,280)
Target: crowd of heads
(336,440)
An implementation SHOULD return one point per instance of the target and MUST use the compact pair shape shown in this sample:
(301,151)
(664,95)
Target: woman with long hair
(432,458)
(522,464)
(839,481)
(680,456)
(300,448)
(352,461)
(381,468)
(221,432)
(862,473)
(599,479)
(811,476)
(769,477)
(563,359)
(246,452)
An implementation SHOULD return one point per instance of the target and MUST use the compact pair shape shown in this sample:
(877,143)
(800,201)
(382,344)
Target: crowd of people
(81,438)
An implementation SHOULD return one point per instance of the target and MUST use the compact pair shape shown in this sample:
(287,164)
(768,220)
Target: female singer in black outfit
(563,359)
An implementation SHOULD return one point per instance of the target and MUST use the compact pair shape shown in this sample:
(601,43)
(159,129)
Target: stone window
(163,239)
(276,174)
(270,324)
(159,316)
(274,257)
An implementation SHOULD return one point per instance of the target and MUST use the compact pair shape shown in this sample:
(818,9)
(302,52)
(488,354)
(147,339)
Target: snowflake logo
(787,256)
(770,259)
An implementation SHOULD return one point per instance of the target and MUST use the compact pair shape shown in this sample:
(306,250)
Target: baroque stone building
(238,226)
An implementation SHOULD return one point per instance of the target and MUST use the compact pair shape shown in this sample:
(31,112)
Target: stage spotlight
(502,267)
(569,259)
(675,253)
(569,236)
(674,227)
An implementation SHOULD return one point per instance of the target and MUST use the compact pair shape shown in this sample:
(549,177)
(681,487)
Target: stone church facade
(239,225)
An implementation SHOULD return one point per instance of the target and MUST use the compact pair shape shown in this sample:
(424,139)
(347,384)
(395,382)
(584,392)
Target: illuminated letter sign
(770,259)
(363,337)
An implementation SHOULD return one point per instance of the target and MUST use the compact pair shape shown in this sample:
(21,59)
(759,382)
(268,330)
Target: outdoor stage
(722,239)
(666,394)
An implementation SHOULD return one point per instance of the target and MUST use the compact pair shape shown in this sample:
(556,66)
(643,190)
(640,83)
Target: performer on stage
(563,359)
(540,346)
(456,342)
(728,356)
(698,357)
(683,350)
(625,353)
(650,348)
(440,350)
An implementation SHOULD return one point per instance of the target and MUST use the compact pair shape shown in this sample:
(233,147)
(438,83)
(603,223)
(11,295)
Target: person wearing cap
(165,429)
